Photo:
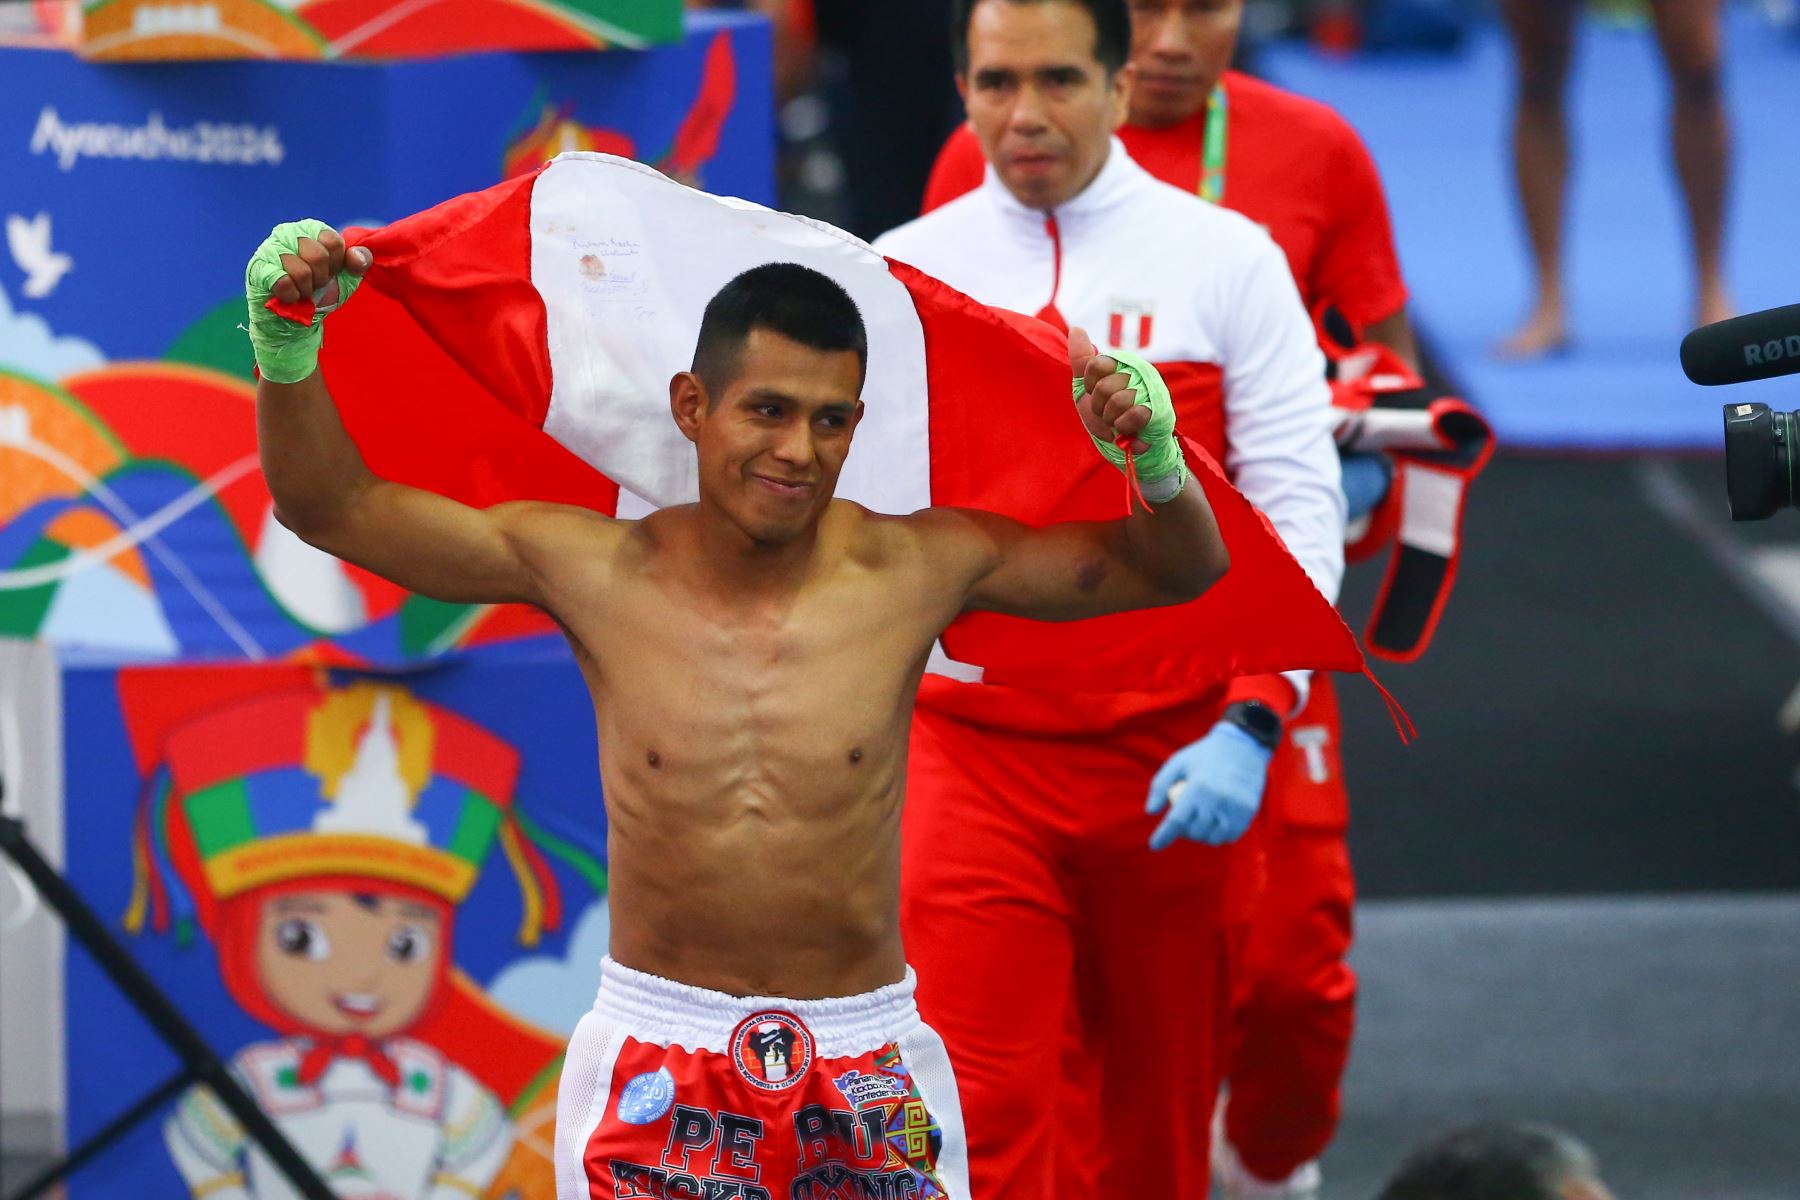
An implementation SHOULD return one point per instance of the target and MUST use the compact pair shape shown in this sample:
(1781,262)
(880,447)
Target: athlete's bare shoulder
(562,544)
(546,527)
(660,527)
(860,538)
(872,541)
(957,545)
(922,564)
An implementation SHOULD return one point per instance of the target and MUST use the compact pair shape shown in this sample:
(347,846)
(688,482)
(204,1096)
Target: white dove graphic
(29,242)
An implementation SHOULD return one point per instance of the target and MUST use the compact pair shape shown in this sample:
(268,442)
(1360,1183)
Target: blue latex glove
(1367,478)
(1212,788)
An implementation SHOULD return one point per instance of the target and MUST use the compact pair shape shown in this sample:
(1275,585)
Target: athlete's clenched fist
(298,260)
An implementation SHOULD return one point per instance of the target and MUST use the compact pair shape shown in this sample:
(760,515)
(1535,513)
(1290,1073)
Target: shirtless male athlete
(752,660)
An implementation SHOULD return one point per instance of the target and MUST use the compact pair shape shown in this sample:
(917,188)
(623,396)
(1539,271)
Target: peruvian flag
(1129,323)
(518,343)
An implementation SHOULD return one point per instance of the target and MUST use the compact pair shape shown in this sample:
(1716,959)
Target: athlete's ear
(687,403)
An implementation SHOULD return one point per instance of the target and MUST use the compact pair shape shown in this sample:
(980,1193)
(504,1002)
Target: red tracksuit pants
(1295,1003)
(1081,982)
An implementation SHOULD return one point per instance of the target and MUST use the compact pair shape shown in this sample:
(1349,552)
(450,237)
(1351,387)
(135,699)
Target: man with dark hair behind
(753,660)
(1057,937)
(1499,1161)
(1300,171)
(1112,32)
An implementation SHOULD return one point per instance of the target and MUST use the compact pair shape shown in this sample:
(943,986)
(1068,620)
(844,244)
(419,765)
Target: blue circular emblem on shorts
(647,1097)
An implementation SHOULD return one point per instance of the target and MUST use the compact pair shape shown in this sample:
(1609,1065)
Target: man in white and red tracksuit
(1299,170)
(1077,955)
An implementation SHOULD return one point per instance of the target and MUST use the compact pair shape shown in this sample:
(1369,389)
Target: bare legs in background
(1543,36)
(1688,31)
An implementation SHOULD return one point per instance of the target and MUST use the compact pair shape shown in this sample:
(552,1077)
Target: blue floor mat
(1439,130)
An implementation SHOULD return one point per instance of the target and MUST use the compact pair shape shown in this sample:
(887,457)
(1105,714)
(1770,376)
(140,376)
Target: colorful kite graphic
(134,520)
(547,129)
(157,29)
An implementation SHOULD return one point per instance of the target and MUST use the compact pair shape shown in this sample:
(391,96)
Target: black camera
(1759,441)
(1759,460)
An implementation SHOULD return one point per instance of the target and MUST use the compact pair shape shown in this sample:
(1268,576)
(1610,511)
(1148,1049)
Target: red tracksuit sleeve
(1357,269)
(958,170)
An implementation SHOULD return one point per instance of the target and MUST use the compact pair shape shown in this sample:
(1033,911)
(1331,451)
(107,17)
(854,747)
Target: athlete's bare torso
(752,658)
(753,745)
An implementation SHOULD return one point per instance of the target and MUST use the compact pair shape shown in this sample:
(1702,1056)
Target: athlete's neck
(735,557)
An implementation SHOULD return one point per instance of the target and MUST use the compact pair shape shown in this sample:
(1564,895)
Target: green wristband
(286,351)
(1161,467)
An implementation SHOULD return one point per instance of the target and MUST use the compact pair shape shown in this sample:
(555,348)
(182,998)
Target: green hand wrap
(286,351)
(1162,467)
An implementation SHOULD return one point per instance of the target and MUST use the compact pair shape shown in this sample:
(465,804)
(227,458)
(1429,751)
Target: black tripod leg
(114,1130)
(202,1064)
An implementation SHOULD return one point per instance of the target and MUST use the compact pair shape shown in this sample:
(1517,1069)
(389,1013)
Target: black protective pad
(1418,578)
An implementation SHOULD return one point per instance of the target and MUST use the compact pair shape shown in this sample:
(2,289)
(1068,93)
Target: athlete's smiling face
(773,435)
(1041,103)
(1180,49)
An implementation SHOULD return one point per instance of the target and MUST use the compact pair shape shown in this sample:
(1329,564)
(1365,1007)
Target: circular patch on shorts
(647,1097)
(772,1050)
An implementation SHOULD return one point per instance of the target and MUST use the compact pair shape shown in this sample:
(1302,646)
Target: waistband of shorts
(662,1011)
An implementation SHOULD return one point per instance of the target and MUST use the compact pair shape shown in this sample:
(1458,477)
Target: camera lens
(1759,460)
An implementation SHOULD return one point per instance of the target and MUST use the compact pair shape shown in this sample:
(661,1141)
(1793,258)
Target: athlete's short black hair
(1112,28)
(797,302)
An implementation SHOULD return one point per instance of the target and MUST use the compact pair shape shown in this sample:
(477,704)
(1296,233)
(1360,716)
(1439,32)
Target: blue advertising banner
(381,895)
(133,516)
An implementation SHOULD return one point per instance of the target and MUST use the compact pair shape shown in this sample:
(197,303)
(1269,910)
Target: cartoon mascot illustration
(324,839)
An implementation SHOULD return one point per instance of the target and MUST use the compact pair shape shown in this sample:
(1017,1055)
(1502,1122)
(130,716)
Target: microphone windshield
(1759,345)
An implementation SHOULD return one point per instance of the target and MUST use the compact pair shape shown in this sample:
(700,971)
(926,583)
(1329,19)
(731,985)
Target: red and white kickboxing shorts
(676,1092)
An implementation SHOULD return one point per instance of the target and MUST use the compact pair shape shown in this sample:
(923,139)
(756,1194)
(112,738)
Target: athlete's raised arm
(1167,553)
(325,493)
